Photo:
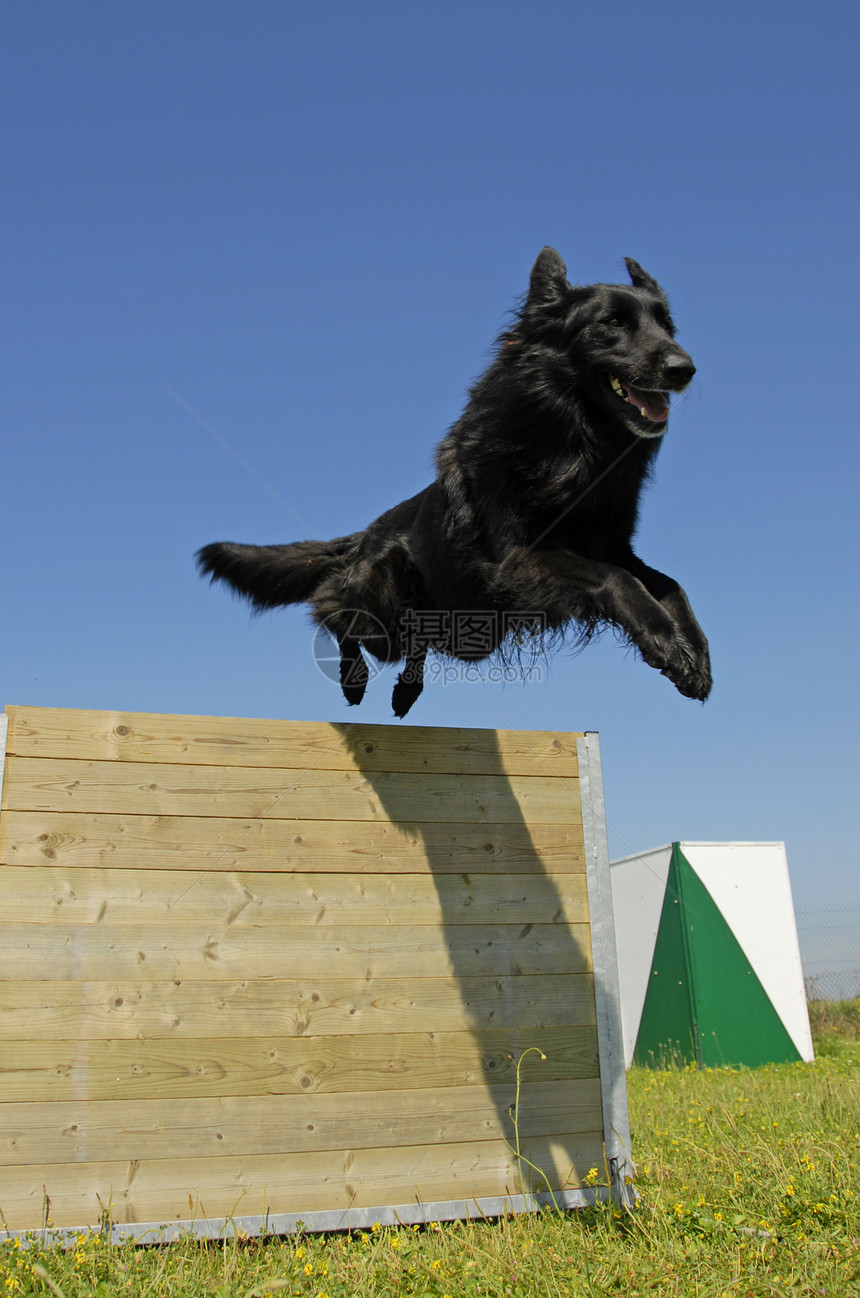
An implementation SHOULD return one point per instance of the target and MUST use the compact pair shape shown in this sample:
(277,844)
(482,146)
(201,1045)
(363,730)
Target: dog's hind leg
(409,684)
(353,671)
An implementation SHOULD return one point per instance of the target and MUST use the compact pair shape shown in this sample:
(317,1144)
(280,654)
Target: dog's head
(617,342)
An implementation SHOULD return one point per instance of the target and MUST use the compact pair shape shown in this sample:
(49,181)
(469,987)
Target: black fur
(528,525)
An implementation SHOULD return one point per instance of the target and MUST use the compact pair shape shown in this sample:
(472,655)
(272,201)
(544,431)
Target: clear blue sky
(309,220)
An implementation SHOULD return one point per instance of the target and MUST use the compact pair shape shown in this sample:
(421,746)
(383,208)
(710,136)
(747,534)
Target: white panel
(638,888)
(750,885)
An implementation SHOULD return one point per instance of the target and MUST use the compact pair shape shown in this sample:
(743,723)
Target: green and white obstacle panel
(255,973)
(708,958)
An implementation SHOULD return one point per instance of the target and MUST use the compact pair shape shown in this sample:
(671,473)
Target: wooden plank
(144,897)
(82,840)
(149,788)
(178,1189)
(165,1069)
(281,966)
(289,1007)
(235,741)
(74,1131)
(93,952)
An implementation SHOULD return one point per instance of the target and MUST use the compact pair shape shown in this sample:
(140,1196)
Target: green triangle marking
(704,1002)
(665,1029)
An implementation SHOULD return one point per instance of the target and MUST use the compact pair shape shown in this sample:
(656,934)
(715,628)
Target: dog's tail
(274,575)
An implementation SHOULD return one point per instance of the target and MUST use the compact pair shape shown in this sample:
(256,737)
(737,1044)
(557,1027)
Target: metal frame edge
(4,736)
(289,1223)
(607,996)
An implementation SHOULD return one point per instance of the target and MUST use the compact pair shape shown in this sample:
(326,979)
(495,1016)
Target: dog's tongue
(652,404)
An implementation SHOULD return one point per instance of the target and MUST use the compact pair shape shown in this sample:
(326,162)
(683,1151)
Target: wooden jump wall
(260,972)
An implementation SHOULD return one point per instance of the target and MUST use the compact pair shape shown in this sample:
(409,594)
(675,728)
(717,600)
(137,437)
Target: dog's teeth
(643,412)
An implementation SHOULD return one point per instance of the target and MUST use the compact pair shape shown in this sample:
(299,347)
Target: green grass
(834,1024)
(749,1184)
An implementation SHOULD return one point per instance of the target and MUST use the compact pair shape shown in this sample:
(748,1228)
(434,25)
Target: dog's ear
(548,278)
(640,278)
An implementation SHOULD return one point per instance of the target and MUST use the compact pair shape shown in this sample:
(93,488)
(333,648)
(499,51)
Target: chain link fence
(830,951)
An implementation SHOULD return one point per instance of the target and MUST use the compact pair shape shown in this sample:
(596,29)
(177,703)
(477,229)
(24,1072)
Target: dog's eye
(615,323)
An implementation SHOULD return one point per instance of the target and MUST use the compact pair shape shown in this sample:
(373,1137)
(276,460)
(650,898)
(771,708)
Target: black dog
(527,528)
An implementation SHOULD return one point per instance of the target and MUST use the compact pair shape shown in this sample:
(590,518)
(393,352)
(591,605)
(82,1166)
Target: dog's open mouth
(653,406)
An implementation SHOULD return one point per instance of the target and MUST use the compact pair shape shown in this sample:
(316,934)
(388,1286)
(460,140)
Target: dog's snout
(679,371)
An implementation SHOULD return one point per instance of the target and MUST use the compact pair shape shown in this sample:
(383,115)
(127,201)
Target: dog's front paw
(694,685)
(691,675)
(686,665)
